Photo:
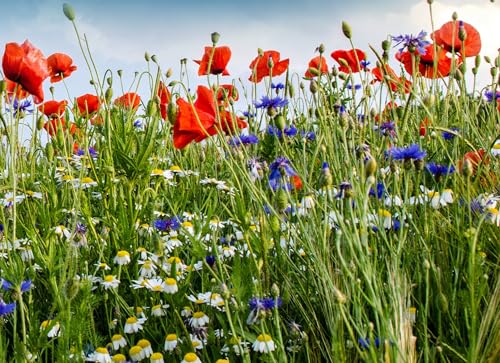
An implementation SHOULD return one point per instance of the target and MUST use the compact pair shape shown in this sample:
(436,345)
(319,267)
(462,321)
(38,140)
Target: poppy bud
(154,58)
(49,151)
(314,71)
(313,87)
(454,16)
(40,122)
(270,62)
(477,61)
(462,34)
(281,199)
(487,59)
(51,90)
(215,37)
(275,290)
(370,167)
(497,61)
(475,70)
(493,72)
(69,11)
(458,75)
(3,86)
(108,95)
(467,168)
(462,67)
(147,57)
(346,29)
(386,45)
(321,48)
(335,71)
(92,82)
(109,81)
(430,2)
(291,91)
(151,108)
(171,112)
(429,100)
(275,224)
(120,73)
(169,73)
(280,122)
(301,85)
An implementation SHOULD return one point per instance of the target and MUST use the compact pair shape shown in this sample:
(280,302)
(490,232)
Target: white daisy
(264,344)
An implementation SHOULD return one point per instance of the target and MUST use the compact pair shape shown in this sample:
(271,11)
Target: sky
(120,32)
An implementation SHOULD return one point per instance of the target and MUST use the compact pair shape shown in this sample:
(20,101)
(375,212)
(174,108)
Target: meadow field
(349,213)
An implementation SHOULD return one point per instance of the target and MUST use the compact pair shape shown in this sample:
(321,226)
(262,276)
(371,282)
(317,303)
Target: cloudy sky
(119,32)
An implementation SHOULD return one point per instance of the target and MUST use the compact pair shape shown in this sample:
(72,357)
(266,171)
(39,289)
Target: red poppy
(318,66)
(475,157)
(260,66)
(88,104)
(194,121)
(26,65)
(297,182)
(128,100)
(349,60)
(54,124)
(423,127)
(426,62)
(15,90)
(448,38)
(226,93)
(60,66)
(229,122)
(53,109)
(220,58)
(164,95)
(396,83)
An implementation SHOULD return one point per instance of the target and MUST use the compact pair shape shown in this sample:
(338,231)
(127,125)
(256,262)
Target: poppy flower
(15,90)
(26,65)
(475,158)
(426,62)
(229,122)
(165,96)
(60,66)
(55,124)
(53,109)
(316,66)
(395,83)
(424,124)
(129,100)
(448,37)
(88,104)
(260,66)
(350,60)
(226,93)
(194,121)
(220,58)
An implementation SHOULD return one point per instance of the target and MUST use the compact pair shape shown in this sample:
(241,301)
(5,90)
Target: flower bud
(370,167)
(169,73)
(454,16)
(109,81)
(3,86)
(281,199)
(291,90)
(467,168)
(386,45)
(487,59)
(215,37)
(154,58)
(147,57)
(275,290)
(429,100)
(462,34)
(493,72)
(69,11)
(171,112)
(430,2)
(313,87)
(49,151)
(477,61)
(120,73)
(151,108)
(275,224)
(108,95)
(280,122)
(346,29)
(314,71)
(270,62)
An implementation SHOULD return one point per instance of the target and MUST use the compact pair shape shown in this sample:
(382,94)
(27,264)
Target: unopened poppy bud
(346,29)
(151,108)
(487,59)
(370,167)
(49,151)
(458,75)
(154,58)
(321,48)
(314,71)
(3,86)
(280,122)
(270,62)
(92,82)
(454,16)
(467,168)
(343,76)
(40,122)
(108,94)
(169,73)
(475,70)
(173,83)
(493,72)
(443,301)
(291,90)
(302,85)
(275,290)
(147,57)
(51,90)
(463,68)
(171,112)
(335,71)
(497,61)
(120,73)
(313,87)
(430,2)
(281,199)
(462,34)
(215,37)
(386,45)
(69,11)
(275,224)
(109,80)
(477,61)
(260,52)
(429,100)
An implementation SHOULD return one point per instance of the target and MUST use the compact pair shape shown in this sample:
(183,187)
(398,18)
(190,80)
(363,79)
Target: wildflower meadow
(349,213)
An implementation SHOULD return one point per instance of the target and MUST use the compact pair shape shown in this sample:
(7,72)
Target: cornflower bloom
(271,103)
(6,308)
(411,42)
(20,108)
(279,168)
(243,140)
(411,152)
(439,170)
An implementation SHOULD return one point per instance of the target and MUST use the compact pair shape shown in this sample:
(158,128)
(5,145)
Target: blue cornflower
(412,42)
(308,135)
(439,170)
(92,152)
(277,86)
(165,225)
(210,259)
(364,64)
(492,96)
(21,108)
(290,131)
(274,131)
(356,86)
(450,135)
(6,308)
(365,342)
(412,152)
(248,114)
(379,193)
(280,167)
(25,285)
(388,128)
(244,140)
(267,303)
(266,102)
(345,190)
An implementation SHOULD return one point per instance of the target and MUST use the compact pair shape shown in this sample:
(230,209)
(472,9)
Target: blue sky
(119,32)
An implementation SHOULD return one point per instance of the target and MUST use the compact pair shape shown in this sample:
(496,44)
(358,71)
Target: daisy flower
(264,344)
(439,200)
(122,258)
(101,355)
(136,353)
(171,286)
(133,325)
(495,150)
(118,341)
(199,319)
(119,358)
(157,358)
(53,328)
(170,342)
(159,310)
(147,350)
(110,282)
(156,285)
(147,269)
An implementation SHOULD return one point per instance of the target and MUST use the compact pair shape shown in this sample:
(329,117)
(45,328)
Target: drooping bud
(40,122)
(120,73)
(154,58)
(487,59)
(346,29)
(69,11)
(109,81)
(169,73)
(215,38)
(147,57)
(467,168)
